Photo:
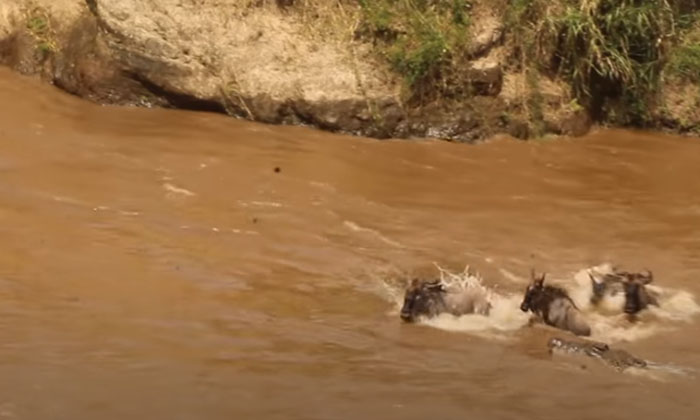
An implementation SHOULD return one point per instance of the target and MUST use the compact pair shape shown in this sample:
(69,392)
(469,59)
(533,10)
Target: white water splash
(610,324)
(173,191)
(501,320)
(661,371)
(505,315)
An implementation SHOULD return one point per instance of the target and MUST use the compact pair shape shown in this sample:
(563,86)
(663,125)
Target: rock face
(242,59)
(486,75)
(259,60)
(258,63)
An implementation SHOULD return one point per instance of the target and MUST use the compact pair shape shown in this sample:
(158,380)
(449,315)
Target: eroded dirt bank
(286,63)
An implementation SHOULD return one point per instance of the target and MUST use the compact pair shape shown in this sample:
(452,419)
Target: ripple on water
(174,191)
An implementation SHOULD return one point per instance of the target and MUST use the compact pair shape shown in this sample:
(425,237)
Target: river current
(176,265)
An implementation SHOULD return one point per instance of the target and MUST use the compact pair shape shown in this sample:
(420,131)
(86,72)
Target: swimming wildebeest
(637,296)
(429,298)
(554,306)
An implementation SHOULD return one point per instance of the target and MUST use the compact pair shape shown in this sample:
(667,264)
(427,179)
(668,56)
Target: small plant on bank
(39,26)
(424,41)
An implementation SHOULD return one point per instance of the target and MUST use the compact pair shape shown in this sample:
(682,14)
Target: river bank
(464,72)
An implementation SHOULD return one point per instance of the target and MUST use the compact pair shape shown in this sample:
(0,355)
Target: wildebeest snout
(524,306)
(406,314)
(633,301)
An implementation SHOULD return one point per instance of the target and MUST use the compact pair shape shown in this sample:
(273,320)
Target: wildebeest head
(598,287)
(636,295)
(422,298)
(532,291)
(608,284)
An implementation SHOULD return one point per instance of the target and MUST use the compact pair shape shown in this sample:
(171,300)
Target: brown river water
(154,265)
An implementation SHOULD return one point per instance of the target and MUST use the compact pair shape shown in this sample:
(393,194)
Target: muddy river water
(155,265)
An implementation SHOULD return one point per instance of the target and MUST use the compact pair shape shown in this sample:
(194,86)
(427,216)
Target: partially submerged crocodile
(618,359)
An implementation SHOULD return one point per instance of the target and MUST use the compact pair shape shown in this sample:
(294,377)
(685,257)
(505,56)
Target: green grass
(424,41)
(39,26)
(685,63)
(606,49)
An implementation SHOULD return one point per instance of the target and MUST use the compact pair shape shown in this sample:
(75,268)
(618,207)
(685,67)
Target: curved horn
(538,280)
(433,284)
(590,276)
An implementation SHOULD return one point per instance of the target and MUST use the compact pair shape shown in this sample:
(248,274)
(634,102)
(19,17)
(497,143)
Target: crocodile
(616,358)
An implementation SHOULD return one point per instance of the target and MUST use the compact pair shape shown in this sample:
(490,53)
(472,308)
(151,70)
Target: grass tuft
(425,41)
(684,62)
(607,49)
(39,26)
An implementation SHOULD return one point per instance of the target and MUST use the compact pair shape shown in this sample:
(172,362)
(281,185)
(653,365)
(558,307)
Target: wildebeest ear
(432,283)
(435,286)
(533,275)
(648,277)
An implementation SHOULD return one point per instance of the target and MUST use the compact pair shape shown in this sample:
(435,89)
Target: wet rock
(330,116)
(571,123)
(378,119)
(519,129)
(18,51)
(469,122)
(262,108)
(86,70)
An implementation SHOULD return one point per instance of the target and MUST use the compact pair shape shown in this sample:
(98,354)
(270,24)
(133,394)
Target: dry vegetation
(615,55)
